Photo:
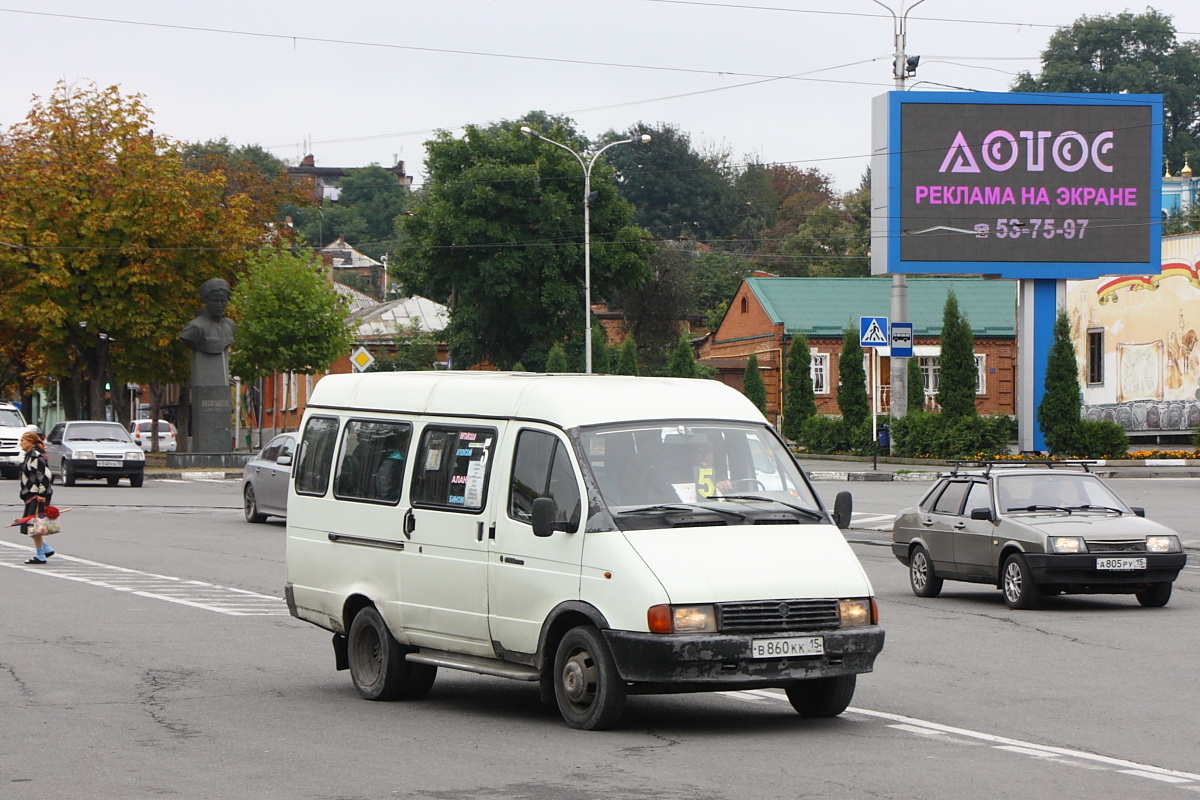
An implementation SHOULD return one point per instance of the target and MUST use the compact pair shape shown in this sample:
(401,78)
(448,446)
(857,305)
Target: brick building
(767,312)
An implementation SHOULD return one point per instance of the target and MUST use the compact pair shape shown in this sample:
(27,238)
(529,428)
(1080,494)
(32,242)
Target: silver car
(265,479)
(93,449)
(1034,530)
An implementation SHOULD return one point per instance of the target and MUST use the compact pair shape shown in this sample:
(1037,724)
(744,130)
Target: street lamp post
(587,242)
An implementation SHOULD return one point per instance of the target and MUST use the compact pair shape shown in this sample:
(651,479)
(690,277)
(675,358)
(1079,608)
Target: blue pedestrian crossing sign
(873,331)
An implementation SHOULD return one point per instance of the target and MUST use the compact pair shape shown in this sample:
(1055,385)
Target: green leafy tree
(958,375)
(1128,53)
(852,382)
(677,191)
(497,234)
(799,399)
(416,350)
(289,317)
(557,360)
(835,238)
(752,384)
(655,308)
(1059,412)
(627,363)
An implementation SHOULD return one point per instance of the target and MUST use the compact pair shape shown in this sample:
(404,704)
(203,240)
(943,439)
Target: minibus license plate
(108,463)
(793,647)
(1120,563)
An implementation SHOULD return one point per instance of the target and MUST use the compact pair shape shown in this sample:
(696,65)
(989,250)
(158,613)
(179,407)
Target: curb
(193,476)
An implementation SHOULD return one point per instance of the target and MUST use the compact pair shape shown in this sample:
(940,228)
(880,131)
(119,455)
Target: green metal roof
(823,307)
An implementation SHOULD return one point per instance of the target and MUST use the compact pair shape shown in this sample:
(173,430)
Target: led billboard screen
(1042,186)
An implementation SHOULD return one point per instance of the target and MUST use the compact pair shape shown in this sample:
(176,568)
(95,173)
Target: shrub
(939,436)
(1101,439)
(821,434)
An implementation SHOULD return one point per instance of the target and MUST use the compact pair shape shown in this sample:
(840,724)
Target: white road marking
(197,594)
(878,522)
(1032,749)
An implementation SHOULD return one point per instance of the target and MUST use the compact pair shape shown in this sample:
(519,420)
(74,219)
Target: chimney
(308,161)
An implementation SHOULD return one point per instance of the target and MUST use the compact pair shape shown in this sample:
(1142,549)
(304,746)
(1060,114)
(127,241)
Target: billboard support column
(1038,301)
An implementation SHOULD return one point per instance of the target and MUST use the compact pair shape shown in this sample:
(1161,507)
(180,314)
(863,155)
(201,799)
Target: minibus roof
(566,400)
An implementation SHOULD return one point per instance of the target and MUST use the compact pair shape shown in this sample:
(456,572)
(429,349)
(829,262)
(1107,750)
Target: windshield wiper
(1040,508)
(817,515)
(683,507)
(1107,509)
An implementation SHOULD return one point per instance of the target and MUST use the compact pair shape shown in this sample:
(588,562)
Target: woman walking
(36,489)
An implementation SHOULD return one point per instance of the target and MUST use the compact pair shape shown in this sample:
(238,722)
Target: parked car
(92,449)
(140,430)
(1035,530)
(12,425)
(265,479)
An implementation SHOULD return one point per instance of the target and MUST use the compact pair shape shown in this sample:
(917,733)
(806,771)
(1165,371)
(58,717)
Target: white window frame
(818,368)
(931,370)
(290,391)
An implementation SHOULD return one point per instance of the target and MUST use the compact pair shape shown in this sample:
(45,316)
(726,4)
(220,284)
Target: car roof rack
(987,464)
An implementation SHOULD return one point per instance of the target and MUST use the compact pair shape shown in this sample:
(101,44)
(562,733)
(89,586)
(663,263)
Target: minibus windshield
(727,470)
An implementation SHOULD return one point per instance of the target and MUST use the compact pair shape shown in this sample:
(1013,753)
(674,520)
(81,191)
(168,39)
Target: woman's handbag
(43,526)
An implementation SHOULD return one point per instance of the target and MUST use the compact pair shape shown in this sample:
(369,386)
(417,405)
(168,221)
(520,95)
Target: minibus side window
(451,467)
(542,468)
(316,455)
(372,460)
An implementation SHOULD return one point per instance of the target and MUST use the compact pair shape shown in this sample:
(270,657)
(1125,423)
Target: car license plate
(1120,563)
(792,647)
(108,463)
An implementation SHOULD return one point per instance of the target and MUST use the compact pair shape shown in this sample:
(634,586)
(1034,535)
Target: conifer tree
(1058,413)
(752,384)
(683,360)
(916,386)
(556,360)
(627,363)
(852,382)
(958,376)
(799,401)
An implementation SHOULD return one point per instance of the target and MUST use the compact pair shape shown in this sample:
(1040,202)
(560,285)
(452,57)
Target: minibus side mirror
(843,509)
(1138,511)
(544,510)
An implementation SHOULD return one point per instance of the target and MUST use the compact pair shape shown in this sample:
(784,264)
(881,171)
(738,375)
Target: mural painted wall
(1136,343)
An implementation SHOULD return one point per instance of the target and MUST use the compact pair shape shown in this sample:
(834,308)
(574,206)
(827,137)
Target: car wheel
(113,480)
(377,664)
(67,473)
(590,693)
(136,480)
(1155,596)
(1019,589)
(921,576)
(822,697)
(250,505)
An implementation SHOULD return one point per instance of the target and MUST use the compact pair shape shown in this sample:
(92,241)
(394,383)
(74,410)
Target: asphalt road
(154,657)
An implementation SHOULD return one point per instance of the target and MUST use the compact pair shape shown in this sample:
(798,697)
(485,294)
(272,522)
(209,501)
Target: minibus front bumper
(714,660)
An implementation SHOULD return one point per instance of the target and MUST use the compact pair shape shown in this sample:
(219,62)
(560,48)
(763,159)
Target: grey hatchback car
(1034,530)
(265,479)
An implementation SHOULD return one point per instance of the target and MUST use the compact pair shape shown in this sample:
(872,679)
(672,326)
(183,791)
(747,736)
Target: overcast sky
(362,81)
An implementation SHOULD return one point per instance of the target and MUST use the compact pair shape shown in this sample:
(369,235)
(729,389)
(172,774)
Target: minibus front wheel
(589,691)
(377,664)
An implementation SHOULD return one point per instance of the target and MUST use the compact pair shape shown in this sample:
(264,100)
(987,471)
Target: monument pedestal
(211,414)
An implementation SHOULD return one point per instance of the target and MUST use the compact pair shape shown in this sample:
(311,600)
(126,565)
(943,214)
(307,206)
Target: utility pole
(902,69)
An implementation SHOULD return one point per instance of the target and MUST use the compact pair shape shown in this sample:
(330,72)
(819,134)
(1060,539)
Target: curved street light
(587,244)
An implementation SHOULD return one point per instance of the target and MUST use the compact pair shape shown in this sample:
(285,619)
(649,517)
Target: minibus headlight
(682,619)
(1163,544)
(856,611)
(1066,544)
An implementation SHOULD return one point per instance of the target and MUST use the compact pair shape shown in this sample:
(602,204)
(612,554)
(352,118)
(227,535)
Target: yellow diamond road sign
(361,359)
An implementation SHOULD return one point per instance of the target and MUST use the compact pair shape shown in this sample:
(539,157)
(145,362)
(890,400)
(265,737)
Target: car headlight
(134,455)
(1163,544)
(85,455)
(682,619)
(1066,544)
(857,611)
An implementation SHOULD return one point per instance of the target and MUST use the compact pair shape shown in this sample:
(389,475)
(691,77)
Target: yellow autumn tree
(105,234)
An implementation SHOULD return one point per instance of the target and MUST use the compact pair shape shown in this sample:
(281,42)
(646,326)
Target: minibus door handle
(479,531)
(410,524)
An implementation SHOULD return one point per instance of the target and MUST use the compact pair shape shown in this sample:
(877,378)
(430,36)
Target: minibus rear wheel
(377,664)
(590,693)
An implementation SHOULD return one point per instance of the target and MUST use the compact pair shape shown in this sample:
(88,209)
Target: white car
(12,425)
(140,429)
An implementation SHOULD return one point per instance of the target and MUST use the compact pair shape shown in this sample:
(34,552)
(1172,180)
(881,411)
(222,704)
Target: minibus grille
(779,615)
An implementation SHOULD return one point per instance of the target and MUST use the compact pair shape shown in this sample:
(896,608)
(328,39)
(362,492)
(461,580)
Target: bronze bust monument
(209,336)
